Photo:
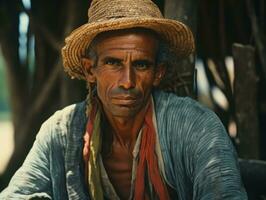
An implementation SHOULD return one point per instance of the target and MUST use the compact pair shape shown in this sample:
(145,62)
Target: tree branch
(51,39)
(39,102)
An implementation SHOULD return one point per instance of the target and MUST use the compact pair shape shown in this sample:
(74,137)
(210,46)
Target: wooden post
(186,12)
(245,92)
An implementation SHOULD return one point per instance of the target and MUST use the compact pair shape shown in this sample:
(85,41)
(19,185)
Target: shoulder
(64,116)
(61,121)
(185,119)
(173,106)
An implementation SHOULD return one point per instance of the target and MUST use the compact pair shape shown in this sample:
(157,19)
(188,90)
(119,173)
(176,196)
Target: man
(128,140)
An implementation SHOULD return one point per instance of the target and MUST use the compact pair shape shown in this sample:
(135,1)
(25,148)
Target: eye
(142,65)
(112,62)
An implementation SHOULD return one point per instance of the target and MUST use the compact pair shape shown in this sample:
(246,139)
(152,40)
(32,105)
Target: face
(125,72)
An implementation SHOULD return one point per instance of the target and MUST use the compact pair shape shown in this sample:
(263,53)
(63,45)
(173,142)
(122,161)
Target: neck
(125,130)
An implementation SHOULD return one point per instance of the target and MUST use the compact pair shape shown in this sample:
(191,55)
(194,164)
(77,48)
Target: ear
(87,65)
(159,74)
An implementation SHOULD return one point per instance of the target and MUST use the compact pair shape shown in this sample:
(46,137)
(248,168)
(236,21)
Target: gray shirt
(199,159)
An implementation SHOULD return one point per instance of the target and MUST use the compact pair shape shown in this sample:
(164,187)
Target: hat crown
(101,10)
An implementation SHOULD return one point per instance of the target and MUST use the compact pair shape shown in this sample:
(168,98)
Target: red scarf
(148,160)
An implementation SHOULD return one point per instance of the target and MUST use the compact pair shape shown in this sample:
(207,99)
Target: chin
(124,112)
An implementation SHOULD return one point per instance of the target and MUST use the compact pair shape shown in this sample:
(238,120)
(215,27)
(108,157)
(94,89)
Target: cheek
(145,82)
(102,88)
(104,82)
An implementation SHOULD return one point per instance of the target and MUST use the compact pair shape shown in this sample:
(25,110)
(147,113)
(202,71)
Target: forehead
(132,39)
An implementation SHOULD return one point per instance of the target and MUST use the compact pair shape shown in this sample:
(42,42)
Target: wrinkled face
(126,72)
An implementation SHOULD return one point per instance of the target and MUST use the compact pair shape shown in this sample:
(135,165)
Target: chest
(118,165)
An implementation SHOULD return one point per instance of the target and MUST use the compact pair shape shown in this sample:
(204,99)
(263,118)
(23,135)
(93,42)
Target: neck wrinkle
(125,131)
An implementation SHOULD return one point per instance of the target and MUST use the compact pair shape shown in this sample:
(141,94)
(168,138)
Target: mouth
(124,100)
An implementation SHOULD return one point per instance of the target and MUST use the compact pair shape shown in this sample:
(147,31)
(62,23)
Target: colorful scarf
(147,165)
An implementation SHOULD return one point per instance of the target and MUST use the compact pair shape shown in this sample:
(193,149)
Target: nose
(128,77)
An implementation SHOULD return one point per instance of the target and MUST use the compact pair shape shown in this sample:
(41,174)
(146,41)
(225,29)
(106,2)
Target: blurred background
(227,74)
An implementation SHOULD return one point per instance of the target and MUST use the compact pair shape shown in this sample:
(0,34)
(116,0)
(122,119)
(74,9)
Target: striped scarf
(147,165)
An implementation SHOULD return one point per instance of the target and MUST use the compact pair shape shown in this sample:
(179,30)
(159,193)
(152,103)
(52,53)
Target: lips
(126,100)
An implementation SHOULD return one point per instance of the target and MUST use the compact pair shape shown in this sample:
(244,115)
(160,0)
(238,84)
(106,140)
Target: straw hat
(106,15)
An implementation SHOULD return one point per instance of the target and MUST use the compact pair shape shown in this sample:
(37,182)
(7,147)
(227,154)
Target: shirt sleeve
(32,180)
(215,169)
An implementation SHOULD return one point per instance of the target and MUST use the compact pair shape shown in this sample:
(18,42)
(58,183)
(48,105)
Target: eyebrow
(146,61)
(112,58)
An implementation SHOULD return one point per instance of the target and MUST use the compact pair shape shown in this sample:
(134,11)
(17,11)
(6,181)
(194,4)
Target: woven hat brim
(175,33)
